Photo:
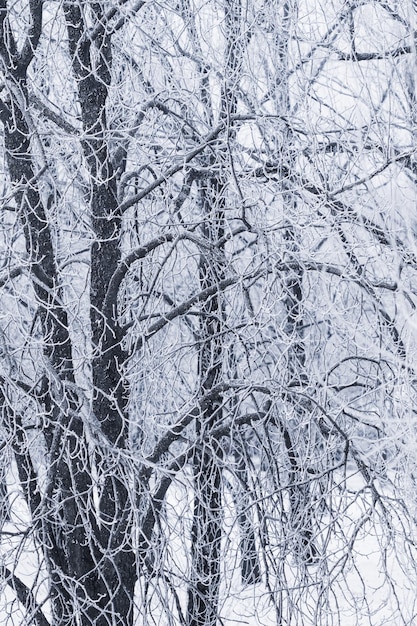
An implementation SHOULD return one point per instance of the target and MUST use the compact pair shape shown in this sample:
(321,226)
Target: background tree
(208,303)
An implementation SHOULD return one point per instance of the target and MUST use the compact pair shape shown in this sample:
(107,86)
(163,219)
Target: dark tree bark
(69,476)
(249,565)
(206,530)
(110,389)
(91,564)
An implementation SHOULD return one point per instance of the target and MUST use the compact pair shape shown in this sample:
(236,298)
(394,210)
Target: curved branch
(183,308)
(178,464)
(176,429)
(125,265)
(173,170)
(336,271)
(186,158)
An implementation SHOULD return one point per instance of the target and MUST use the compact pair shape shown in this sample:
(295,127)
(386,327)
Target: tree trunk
(69,476)
(206,532)
(249,557)
(110,392)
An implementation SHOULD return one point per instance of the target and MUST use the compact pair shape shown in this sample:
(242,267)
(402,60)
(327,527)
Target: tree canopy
(208,274)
